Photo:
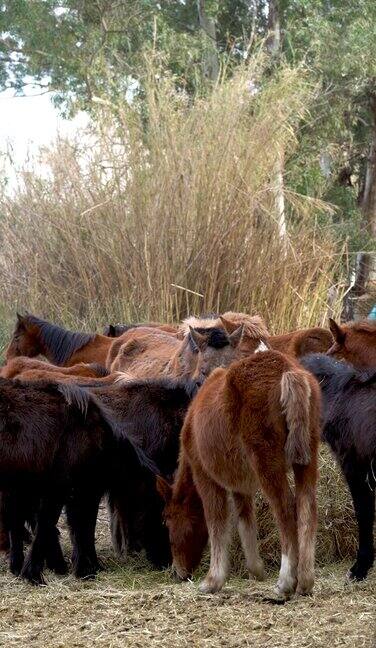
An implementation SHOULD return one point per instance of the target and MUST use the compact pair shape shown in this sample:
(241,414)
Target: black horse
(150,413)
(59,446)
(349,427)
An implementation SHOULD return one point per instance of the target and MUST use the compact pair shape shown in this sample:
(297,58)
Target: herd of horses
(178,426)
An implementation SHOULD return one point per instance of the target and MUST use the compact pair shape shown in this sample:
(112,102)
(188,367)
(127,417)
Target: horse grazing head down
(25,340)
(354,342)
(185,520)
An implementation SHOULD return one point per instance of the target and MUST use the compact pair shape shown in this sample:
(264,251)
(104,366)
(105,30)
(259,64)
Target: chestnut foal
(248,425)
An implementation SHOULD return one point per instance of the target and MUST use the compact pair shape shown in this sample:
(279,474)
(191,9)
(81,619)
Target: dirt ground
(131,605)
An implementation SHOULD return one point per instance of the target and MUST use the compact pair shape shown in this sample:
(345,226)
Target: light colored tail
(295,401)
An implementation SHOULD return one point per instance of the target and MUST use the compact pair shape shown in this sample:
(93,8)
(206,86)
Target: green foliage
(94,52)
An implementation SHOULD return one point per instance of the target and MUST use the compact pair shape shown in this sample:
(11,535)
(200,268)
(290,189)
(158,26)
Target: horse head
(354,342)
(25,340)
(184,517)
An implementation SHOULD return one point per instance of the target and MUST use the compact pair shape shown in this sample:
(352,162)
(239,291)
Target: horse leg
(272,475)
(364,505)
(44,543)
(4,530)
(247,528)
(82,512)
(118,524)
(54,556)
(14,518)
(217,516)
(306,508)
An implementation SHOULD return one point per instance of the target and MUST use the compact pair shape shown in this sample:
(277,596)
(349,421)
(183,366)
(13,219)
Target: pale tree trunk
(207,24)
(369,195)
(273,45)
(365,263)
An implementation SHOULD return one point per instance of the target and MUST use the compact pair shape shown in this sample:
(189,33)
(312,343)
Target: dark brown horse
(248,424)
(354,342)
(34,336)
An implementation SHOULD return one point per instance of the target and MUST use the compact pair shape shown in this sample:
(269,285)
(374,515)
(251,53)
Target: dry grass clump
(130,605)
(337,534)
(172,213)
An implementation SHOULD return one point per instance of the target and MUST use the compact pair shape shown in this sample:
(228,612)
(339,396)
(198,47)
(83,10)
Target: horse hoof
(305,589)
(285,589)
(59,567)
(356,574)
(33,577)
(4,542)
(210,586)
(16,564)
(86,571)
(257,572)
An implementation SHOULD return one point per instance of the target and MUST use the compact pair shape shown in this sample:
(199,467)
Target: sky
(28,122)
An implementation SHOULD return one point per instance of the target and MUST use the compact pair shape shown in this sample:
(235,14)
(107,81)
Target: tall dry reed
(171,213)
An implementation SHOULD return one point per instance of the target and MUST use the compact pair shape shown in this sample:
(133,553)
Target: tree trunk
(365,263)
(207,24)
(273,40)
(369,195)
(273,45)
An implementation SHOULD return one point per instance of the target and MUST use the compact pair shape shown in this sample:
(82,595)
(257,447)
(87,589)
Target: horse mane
(215,337)
(338,373)
(204,322)
(115,330)
(167,383)
(60,342)
(253,325)
(75,395)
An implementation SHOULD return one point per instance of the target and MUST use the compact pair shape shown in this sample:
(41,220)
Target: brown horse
(249,423)
(203,348)
(39,375)
(299,343)
(142,351)
(23,364)
(296,343)
(34,336)
(159,354)
(354,342)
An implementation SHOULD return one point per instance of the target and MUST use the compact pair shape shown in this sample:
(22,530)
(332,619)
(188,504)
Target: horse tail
(295,400)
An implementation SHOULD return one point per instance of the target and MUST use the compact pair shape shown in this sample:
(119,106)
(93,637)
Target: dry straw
(130,605)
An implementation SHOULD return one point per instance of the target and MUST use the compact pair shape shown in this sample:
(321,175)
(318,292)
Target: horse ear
(228,325)
(111,331)
(236,336)
(263,345)
(199,341)
(337,332)
(20,321)
(164,488)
